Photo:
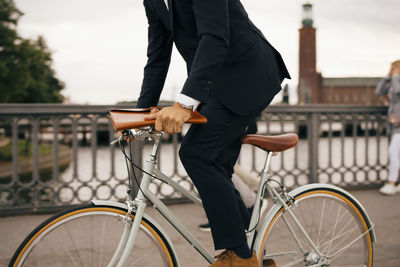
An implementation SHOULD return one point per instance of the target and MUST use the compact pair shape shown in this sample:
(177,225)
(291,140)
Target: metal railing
(59,155)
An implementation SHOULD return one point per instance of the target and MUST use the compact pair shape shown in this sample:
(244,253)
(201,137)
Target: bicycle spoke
(91,240)
(334,256)
(102,242)
(74,245)
(312,218)
(320,223)
(332,229)
(339,236)
(339,243)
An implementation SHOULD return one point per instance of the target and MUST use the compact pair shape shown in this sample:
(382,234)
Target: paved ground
(383,210)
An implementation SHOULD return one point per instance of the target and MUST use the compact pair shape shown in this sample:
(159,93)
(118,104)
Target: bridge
(342,145)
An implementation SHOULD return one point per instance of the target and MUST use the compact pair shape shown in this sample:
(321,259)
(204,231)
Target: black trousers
(208,153)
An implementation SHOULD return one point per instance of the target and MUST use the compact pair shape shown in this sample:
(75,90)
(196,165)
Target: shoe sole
(387,194)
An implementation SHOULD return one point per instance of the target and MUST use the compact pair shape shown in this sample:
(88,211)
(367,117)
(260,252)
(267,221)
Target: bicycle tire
(88,236)
(333,221)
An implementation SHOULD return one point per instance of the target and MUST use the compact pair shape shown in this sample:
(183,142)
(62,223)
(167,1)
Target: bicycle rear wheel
(334,223)
(89,236)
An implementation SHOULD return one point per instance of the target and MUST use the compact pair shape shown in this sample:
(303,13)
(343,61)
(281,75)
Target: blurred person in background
(390,88)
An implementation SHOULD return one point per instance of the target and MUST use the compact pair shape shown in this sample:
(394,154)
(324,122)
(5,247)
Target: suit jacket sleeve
(158,58)
(212,23)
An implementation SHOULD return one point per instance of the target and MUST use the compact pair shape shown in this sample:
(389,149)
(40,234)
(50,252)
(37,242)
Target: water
(350,160)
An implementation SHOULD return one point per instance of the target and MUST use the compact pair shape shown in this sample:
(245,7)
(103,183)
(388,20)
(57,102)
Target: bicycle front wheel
(333,222)
(89,236)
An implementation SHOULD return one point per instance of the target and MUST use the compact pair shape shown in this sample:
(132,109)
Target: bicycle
(313,225)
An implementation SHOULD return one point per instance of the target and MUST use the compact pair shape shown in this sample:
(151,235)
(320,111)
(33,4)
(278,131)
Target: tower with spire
(308,86)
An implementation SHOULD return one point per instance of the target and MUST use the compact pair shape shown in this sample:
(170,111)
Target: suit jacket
(226,55)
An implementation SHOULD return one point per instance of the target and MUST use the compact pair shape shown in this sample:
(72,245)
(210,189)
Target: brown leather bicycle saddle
(124,119)
(276,143)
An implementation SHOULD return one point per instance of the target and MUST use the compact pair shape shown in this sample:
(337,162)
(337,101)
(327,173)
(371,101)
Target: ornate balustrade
(58,155)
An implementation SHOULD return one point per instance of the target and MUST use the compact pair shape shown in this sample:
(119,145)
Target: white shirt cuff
(188,101)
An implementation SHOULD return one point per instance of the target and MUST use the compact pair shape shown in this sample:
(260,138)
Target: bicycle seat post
(264,175)
(259,195)
(267,162)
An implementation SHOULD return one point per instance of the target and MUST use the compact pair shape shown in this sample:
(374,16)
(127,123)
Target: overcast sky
(99,46)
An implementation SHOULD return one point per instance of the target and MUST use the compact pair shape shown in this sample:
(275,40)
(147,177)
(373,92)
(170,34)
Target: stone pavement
(384,211)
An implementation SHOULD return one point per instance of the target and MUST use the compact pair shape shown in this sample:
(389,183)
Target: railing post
(55,149)
(93,131)
(313,135)
(111,134)
(138,160)
(15,173)
(35,148)
(75,147)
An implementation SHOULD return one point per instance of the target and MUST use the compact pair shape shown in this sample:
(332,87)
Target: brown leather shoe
(228,258)
(269,263)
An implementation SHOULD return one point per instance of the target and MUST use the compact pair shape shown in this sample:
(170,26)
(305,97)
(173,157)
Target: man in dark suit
(233,74)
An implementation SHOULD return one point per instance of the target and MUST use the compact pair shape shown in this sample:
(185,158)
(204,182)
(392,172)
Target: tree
(26,75)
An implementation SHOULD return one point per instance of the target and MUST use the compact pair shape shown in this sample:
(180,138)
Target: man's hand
(170,119)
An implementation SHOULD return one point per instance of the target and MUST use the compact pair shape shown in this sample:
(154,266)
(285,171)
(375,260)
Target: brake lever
(116,140)
(126,134)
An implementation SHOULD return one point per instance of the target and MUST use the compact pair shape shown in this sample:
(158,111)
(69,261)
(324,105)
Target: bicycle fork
(317,259)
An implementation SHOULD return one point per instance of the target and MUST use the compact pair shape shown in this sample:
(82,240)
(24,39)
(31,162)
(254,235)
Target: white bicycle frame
(139,204)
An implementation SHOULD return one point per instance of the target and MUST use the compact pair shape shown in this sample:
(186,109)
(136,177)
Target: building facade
(313,88)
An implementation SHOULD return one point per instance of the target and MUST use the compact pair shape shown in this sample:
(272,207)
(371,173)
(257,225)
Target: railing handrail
(34,109)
